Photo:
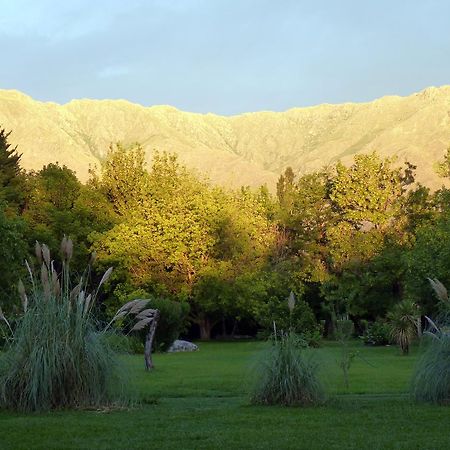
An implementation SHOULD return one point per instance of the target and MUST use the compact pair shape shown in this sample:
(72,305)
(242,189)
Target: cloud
(58,21)
(223,56)
(113,71)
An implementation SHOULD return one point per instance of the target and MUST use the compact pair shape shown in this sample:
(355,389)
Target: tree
(13,251)
(57,204)
(443,167)
(368,199)
(163,237)
(123,177)
(272,305)
(183,237)
(369,192)
(12,227)
(429,257)
(285,188)
(244,238)
(11,176)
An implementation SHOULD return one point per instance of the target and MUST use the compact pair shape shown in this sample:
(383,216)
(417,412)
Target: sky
(224,56)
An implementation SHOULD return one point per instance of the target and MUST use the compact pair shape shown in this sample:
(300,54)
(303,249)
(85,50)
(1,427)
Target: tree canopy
(349,240)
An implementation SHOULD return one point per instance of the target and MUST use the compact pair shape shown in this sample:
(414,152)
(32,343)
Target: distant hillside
(248,149)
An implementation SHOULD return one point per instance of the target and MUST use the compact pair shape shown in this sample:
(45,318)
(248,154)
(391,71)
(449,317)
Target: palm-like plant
(403,321)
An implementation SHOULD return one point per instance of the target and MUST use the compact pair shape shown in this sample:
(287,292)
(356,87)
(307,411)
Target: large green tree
(12,184)
(123,177)
(57,204)
(340,229)
(182,237)
(12,227)
(13,251)
(370,191)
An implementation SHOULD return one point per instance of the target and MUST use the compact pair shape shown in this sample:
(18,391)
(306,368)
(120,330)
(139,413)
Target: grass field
(200,401)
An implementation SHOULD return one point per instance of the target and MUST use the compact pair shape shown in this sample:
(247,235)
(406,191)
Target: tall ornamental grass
(286,375)
(431,379)
(56,357)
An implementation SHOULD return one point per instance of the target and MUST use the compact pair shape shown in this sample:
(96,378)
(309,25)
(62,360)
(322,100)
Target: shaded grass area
(226,369)
(202,403)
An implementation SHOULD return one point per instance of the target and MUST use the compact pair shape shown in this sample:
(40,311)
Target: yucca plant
(57,357)
(403,323)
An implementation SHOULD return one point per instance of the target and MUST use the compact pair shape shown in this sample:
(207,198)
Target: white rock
(182,346)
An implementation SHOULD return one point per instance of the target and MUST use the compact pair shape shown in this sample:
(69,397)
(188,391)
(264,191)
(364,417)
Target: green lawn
(202,403)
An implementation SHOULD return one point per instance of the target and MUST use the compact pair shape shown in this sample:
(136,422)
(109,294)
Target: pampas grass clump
(56,358)
(287,376)
(431,380)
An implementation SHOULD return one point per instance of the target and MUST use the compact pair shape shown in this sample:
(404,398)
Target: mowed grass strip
(203,403)
(227,369)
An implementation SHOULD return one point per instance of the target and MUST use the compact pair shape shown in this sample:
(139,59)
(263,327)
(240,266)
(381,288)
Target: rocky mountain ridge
(248,149)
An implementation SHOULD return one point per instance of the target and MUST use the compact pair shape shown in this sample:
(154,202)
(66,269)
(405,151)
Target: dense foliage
(352,241)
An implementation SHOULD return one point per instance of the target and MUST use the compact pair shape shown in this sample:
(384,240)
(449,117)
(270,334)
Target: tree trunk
(149,342)
(224,328)
(205,328)
(405,349)
(233,331)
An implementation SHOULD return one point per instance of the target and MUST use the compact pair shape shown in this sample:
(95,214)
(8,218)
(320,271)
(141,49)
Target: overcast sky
(224,56)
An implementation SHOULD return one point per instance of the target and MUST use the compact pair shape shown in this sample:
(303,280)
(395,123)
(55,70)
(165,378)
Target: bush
(57,358)
(121,343)
(300,320)
(431,379)
(172,321)
(378,333)
(286,376)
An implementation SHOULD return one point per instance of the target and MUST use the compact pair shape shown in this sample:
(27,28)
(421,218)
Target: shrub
(378,333)
(57,358)
(172,321)
(287,376)
(121,343)
(300,319)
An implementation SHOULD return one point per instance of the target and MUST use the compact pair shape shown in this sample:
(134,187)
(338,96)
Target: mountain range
(247,149)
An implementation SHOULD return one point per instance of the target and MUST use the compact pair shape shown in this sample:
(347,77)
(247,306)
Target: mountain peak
(247,149)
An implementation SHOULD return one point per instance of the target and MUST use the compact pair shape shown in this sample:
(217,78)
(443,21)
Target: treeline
(350,242)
